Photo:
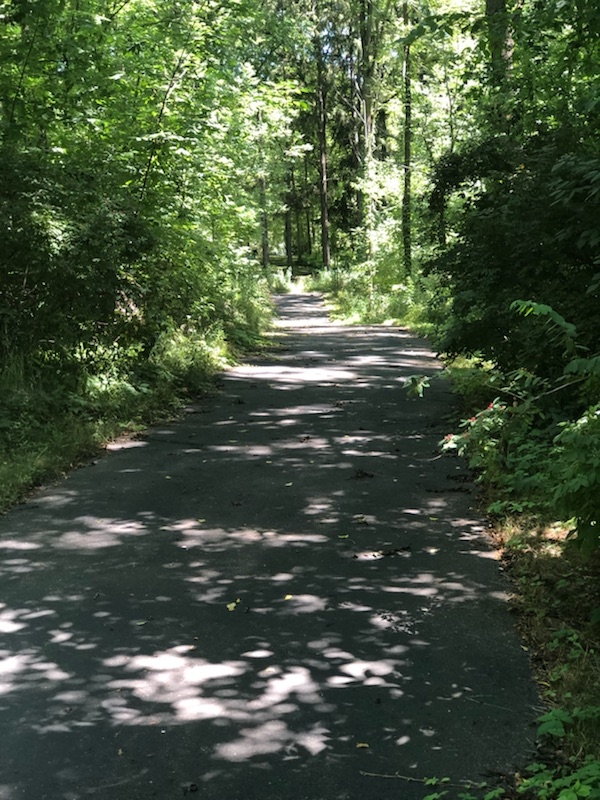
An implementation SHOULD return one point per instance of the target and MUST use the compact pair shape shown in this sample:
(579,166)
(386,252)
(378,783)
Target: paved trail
(281,592)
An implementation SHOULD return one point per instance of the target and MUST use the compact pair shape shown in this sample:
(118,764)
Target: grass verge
(43,444)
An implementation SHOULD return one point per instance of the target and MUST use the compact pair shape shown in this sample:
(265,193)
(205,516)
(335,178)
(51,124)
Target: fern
(554,321)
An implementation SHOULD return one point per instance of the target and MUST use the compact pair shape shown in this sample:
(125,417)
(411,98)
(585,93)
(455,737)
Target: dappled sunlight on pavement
(284,590)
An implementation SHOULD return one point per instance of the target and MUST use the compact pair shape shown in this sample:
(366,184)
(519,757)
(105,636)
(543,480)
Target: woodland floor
(285,595)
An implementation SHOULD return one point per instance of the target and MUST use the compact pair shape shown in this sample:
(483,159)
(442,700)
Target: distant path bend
(284,590)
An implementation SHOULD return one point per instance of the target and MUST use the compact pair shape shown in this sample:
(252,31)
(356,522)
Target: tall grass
(356,296)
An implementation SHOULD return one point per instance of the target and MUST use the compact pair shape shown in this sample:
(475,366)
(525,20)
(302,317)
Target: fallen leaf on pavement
(360,474)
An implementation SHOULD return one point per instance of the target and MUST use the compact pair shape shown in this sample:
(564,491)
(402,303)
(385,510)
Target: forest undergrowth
(555,587)
(57,414)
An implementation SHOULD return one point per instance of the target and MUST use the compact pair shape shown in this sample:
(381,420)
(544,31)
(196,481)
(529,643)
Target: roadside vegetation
(55,416)
(537,469)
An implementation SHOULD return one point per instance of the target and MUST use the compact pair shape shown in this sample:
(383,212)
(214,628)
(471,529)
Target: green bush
(576,459)
(506,244)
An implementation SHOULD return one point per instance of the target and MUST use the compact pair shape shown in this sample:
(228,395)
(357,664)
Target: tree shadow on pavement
(284,590)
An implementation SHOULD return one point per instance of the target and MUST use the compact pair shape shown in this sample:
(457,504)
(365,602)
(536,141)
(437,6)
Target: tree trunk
(264,227)
(366,77)
(499,40)
(322,140)
(297,216)
(289,241)
(407,130)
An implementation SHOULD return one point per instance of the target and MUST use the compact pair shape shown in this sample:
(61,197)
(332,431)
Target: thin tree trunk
(366,74)
(173,80)
(322,139)
(264,227)
(289,241)
(451,112)
(307,217)
(354,102)
(325,248)
(407,130)
(501,46)
(23,70)
(297,216)
(499,39)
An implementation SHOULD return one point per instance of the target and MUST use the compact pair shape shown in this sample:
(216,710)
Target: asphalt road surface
(286,595)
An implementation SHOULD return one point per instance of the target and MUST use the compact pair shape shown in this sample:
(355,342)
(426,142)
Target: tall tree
(407,155)
(499,40)
(321,114)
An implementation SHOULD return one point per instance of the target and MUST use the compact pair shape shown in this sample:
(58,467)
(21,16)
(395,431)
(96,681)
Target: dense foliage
(521,202)
(132,138)
(129,150)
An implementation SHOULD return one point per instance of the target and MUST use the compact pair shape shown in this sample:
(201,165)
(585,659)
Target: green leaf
(415,385)
(553,723)
(583,366)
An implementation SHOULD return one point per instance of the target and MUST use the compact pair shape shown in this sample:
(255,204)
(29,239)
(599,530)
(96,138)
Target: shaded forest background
(165,164)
